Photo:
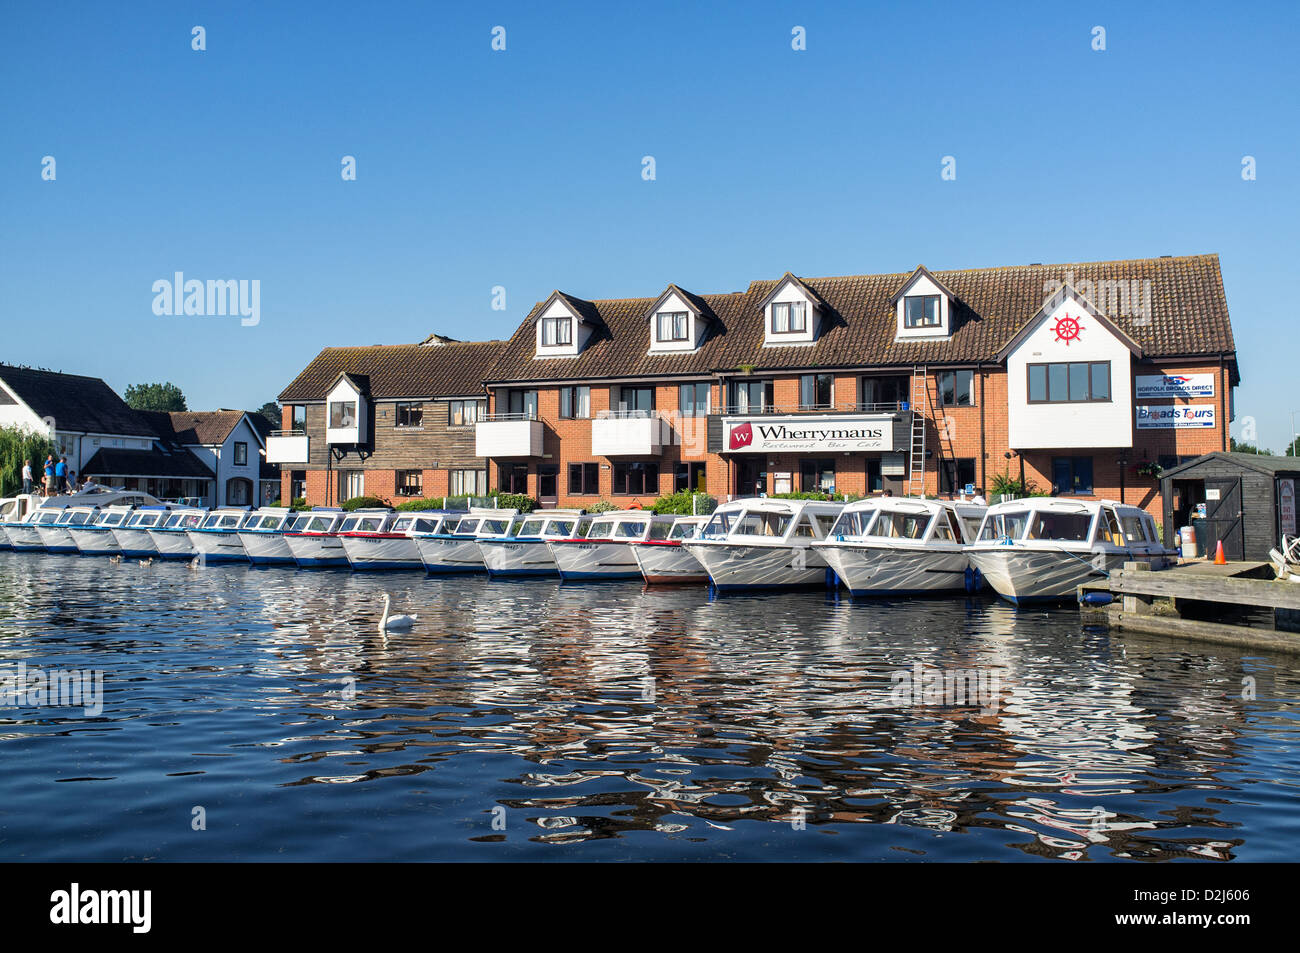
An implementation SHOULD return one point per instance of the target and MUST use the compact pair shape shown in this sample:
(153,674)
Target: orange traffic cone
(1219,558)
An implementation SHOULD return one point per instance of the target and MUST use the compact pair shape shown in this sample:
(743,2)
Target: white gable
(789,293)
(578,331)
(695,327)
(923,286)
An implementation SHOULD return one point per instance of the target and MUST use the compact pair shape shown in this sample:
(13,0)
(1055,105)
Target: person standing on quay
(49,475)
(61,474)
(27,476)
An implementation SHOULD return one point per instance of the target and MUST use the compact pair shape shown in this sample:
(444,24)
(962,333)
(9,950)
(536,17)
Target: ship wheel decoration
(1067,329)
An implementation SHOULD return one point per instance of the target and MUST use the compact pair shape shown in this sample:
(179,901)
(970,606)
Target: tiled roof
(207,427)
(400,370)
(77,403)
(1188,315)
(113,462)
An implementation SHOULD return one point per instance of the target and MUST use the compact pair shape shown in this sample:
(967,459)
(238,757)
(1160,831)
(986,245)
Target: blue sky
(522,168)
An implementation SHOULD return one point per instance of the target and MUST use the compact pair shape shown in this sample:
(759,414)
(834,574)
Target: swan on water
(394,623)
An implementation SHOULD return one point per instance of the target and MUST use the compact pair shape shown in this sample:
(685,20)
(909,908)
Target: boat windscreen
(1008,525)
(531,528)
(493,527)
(900,525)
(630,530)
(1064,527)
(678,531)
(719,526)
(600,529)
(111,519)
(772,525)
(852,522)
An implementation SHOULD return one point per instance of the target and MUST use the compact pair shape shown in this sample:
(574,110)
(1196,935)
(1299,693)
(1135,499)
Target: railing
(888,407)
(489,418)
(295,432)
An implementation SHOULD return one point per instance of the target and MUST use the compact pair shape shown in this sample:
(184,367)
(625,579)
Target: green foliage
(679,504)
(364,503)
(516,501)
(1006,485)
(271,412)
(1241,446)
(816,495)
(602,506)
(16,446)
(299,503)
(154,397)
(431,503)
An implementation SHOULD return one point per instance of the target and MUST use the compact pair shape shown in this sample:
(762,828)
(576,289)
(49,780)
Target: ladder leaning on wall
(919,399)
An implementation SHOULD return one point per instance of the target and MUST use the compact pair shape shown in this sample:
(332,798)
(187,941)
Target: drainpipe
(983,487)
(1223,405)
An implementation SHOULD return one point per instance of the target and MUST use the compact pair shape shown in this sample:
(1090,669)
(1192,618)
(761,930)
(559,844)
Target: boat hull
(24,538)
(172,543)
(1022,575)
(56,539)
(217,547)
(95,542)
(317,551)
(368,553)
(446,554)
(663,564)
(135,542)
(266,549)
(738,566)
(594,560)
(517,557)
(867,569)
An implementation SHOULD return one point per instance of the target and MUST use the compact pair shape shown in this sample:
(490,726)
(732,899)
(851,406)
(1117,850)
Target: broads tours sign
(807,434)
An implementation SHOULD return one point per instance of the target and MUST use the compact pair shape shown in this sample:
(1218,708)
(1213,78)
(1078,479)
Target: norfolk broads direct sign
(807,434)
(1174,385)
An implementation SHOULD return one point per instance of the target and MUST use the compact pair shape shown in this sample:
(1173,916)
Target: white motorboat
(13,510)
(666,561)
(95,536)
(56,536)
(24,535)
(765,543)
(605,550)
(315,544)
(524,551)
(391,545)
(171,534)
(263,535)
(132,534)
(455,549)
(1043,548)
(216,539)
(901,545)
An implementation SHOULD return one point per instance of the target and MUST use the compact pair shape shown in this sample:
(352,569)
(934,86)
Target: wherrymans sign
(805,434)
(1174,385)
(1174,416)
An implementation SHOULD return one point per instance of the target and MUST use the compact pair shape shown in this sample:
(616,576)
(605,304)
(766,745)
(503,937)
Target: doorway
(1223,516)
(751,477)
(548,483)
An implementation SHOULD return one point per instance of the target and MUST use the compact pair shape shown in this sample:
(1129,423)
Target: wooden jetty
(1241,604)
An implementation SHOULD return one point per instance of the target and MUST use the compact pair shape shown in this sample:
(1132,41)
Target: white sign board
(1286,506)
(810,434)
(1174,416)
(1174,385)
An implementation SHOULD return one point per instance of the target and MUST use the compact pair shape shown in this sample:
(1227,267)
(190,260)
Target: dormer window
(557,332)
(343,413)
(672,326)
(921,311)
(790,317)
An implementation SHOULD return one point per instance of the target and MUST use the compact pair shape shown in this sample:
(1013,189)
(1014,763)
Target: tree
(1294,449)
(16,446)
(1241,446)
(271,411)
(155,397)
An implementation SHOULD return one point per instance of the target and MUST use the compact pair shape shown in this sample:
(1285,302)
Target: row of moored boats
(1027,549)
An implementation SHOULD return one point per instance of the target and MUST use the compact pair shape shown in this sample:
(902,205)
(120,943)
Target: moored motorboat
(170,535)
(132,534)
(666,561)
(764,543)
(216,539)
(455,548)
(24,535)
(391,545)
(95,536)
(902,545)
(315,544)
(1043,548)
(262,534)
(56,535)
(605,550)
(13,510)
(524,551)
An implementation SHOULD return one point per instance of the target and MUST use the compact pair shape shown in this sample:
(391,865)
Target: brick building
(1075,375)
(396,422)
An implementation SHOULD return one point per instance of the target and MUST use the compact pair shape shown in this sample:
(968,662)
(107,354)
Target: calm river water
(537,721)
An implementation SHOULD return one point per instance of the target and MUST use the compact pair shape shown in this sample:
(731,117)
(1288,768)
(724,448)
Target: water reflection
(610,721)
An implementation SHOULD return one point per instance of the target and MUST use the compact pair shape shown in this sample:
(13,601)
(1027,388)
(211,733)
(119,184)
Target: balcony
(287,446)
(508,435)
(629,434)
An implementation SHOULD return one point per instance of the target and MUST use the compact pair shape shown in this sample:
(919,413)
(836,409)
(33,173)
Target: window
(522,403)
(548,480)
(241,454)
(575,403)
(343,414)
(956,388)
(465,413)
(1072,475)
(297,484)
(921,311)
(636,401)
(468,482)
(1079,382)
(584,479)
(409,414)
(816,391)
(790,317)
(694,399)
(557,332)
(751,397)
(410,482)
(955,474)
(817,476)
(352,483)
(299,418)
(636,479)
(514,478)
(671,326)
(883,391)
(690,477)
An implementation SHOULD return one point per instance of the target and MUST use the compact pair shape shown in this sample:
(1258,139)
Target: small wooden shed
(1250,500)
